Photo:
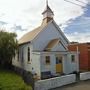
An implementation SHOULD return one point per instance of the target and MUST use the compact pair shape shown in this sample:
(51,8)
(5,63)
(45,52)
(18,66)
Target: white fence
(85,76)
(55,82)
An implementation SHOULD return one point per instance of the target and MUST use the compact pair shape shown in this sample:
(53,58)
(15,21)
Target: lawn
(11,81)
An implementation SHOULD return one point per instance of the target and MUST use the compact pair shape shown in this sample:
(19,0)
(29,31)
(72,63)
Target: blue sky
(22,16)
(79,29)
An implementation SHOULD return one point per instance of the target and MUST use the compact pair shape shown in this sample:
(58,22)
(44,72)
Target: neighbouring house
(44,51)
(84,54)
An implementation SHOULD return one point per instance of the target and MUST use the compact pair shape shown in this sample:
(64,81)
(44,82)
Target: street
(83,85)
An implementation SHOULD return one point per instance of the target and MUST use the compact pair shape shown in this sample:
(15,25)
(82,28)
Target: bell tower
(47,13)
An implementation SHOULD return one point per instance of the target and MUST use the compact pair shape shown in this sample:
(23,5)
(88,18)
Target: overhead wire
(74,3)
(81,1)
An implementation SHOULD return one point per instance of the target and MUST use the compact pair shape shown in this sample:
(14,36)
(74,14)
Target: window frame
(28,54)
(72,58)
(22,55)
(59,59)
(47,60)
(18,54)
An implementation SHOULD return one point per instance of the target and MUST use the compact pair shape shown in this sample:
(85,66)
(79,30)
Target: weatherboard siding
(45,36)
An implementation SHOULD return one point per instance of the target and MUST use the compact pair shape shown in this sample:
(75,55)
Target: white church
(43,51)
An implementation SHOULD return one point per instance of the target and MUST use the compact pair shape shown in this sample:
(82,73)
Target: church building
(44,50)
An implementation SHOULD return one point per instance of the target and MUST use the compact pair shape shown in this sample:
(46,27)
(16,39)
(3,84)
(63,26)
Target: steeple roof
(48,9)
(47,13)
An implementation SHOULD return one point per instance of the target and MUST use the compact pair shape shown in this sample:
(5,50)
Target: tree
(8,47)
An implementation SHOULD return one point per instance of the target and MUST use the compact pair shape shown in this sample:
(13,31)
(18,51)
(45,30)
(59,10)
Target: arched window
(18,54)
(22,55)
(28,54)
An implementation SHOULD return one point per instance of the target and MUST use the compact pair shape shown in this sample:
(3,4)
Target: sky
(22,16)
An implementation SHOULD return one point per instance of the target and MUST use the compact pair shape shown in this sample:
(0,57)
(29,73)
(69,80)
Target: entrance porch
(52,64)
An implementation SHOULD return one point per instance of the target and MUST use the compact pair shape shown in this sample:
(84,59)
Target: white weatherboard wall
(23,63)
(55,82)
(36,63)
(85,76)
(45,36)
(45,67)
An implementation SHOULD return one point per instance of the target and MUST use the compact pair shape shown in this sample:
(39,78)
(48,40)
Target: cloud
(79,37)
(24,11)
(18,28)
(80,25)
(26,14)
(3,23)
(79,29)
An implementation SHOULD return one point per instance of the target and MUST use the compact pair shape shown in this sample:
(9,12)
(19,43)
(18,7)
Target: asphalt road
(83,85)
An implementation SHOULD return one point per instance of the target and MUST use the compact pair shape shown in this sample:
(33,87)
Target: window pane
(22,56)
(73,58)
(58,60)
(47,59)
(18,54)
(28,54)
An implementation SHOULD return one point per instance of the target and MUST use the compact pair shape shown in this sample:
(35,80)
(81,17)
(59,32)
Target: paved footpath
(83,85)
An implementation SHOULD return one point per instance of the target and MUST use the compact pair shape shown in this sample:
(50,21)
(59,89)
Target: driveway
(83,85)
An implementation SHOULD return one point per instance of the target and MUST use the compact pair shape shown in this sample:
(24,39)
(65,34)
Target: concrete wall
(85,76)
(55,82)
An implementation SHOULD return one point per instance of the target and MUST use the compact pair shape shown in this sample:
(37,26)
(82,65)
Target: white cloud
(27,13)
(79,37)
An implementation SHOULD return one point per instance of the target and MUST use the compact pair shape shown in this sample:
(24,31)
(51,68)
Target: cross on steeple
(47,2)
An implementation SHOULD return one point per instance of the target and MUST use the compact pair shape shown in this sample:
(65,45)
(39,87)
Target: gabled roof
(29,36)
(32,34)
(54,42)
(51,44)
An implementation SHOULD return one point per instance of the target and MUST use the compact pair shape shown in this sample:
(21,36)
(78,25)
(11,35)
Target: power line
(74,3)
(81,1)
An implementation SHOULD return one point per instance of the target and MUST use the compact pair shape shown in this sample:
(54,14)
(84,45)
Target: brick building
(84,56)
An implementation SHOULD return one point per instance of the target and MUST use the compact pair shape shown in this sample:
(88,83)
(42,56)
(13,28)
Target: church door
(59,68)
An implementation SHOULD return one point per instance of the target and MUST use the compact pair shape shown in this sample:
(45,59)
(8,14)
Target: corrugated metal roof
(29,36)
(32,34)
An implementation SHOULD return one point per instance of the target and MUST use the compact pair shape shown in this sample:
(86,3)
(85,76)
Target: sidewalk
(83,85)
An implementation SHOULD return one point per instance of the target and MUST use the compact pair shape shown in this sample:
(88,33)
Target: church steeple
(47,13)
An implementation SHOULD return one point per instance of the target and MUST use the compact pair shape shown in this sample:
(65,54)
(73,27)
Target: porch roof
(51,44)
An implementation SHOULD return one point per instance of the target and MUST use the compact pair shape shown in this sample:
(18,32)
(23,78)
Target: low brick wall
(85,76)
(55,82)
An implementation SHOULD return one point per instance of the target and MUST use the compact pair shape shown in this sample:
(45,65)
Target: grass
(11,81)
